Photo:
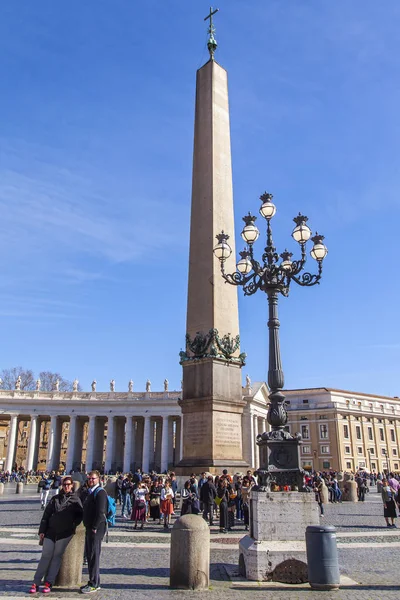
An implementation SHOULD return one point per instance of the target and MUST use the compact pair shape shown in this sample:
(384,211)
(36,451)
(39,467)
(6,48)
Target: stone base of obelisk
(212,408)
(275,548)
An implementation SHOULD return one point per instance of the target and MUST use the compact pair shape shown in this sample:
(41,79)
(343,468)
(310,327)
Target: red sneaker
(47,588)
(34,589)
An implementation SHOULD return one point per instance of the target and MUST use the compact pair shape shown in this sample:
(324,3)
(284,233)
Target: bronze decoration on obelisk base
(212,401)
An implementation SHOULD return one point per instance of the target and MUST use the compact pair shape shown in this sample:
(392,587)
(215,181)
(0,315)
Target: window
(373,466)
(305,401)
(381,435)
(322,417)
(325,450)
(394,451)
(326,464)
(306,449)
(346,431)
(359,450)
(370,434)
(392,437)
(383,451)
(372,450)
(369,420)
(348,465)
(323,432)
(347,449)
(305,432)
(396,466)
(379,420)
(358,432)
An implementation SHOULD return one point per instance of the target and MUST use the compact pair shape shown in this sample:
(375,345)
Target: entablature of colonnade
(90,403)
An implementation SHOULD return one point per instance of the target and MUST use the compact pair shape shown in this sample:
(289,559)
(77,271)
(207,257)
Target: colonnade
(113,443)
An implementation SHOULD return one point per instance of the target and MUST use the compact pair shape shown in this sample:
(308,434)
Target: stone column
(31,443)
(256,448)
(253,442)
(71,444)
(128,444)
(90,442)
(146,445)
(12,439)
(51,446)
(164,444)
(181,438)
(109,445)
(263,425)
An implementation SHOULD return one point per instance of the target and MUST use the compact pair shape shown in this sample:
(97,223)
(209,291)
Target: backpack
(111,508)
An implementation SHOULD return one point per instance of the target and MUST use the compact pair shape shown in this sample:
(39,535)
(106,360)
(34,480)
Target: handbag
(155,502)
(218,500)
(140,504)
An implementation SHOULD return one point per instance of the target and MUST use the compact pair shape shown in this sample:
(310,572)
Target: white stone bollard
(70,573)
(351,494)
(1,489)
(190,554)
(20,488)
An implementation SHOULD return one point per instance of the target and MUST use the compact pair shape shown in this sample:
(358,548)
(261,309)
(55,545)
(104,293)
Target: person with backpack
(95,511)
(126,490)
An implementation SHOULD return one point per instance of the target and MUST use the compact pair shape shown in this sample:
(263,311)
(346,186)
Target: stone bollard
(111,487)
(190,554)
(70,573)
(1,489)
(20,488)
(324,493)
(379,486)
(351,492)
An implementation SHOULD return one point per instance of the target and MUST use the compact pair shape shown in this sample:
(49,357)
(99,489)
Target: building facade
(113,431)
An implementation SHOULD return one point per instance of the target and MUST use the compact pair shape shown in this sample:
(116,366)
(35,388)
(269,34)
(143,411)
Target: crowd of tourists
(67,500)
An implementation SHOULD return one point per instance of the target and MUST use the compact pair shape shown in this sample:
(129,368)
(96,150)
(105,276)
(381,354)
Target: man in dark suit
(95,521)
(208,493)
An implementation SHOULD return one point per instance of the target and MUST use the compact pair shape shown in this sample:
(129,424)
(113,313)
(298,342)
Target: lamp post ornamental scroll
(280,461)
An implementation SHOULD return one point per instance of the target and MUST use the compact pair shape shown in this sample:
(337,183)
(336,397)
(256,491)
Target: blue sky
(96,138)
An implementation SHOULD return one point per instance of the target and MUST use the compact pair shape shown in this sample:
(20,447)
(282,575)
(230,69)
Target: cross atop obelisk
(212,42)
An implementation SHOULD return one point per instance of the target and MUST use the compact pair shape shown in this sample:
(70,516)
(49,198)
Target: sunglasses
(68,483)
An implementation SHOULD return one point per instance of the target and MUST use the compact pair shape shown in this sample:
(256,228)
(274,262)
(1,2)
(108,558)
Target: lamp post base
(280,462)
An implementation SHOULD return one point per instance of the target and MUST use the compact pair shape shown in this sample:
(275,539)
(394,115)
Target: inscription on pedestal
(227,436)
(197,435)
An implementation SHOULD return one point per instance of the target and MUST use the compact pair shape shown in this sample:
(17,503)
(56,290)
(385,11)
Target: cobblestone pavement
(136,563)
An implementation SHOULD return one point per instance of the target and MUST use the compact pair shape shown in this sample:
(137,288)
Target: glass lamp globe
(250,232)
(222,250)
(319,250)
(301,233)
(244,265)
(268,208)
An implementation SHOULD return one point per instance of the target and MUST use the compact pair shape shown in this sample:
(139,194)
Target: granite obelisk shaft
(212,401)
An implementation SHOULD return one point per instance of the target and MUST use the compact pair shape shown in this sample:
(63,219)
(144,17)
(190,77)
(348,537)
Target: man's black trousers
(93,551)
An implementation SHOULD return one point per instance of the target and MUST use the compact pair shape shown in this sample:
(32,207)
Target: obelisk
(212,401)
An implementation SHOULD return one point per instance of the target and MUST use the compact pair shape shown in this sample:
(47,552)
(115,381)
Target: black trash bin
(322,557)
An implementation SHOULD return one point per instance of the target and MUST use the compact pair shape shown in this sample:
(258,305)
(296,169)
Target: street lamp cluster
(273,275)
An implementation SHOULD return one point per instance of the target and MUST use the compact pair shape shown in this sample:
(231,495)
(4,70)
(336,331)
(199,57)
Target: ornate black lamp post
(280,452)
